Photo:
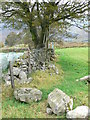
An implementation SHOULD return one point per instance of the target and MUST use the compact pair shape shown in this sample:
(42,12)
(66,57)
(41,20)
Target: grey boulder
(59,102)
(79,112)
(28,95)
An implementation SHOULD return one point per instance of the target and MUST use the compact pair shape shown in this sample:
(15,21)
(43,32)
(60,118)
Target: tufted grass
(72,64)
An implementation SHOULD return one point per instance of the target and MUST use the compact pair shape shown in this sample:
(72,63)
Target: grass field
(72,64)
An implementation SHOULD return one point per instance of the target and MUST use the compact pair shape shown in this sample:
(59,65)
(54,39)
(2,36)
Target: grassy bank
(72,64)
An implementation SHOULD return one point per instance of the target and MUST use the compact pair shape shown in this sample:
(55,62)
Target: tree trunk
(33,31)
(39,42)
(42,38)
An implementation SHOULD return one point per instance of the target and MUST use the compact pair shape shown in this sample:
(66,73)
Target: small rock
(7,78)
(16,71)
(30,79)
(8,83)
(52,59)
(23,76)
(52,66)
(24,66)
(34,68)
(49,111)
(53,56)
(18,60)
(77,80)
(16,79)
(57,72)
(24,69)
(79,112)
(8,72)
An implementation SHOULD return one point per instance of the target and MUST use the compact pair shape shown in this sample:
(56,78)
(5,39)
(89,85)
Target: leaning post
(11,75)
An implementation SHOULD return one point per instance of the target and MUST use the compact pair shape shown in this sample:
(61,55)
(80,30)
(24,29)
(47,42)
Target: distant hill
(78,34)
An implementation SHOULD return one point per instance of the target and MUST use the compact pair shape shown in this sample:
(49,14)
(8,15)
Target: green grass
(72,64)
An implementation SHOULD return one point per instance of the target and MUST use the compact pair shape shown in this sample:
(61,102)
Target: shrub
(1,44)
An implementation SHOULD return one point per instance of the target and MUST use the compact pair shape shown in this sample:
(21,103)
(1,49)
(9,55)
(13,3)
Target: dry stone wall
(37,59)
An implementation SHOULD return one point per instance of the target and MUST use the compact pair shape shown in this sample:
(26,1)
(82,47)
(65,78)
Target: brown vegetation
(71,44)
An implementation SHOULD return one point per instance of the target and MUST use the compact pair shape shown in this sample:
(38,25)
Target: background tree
(22,37)
(39,16)
(11,39)
(26,37)
(1,44)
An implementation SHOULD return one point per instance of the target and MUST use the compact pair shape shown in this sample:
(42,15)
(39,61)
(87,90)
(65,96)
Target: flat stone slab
(28,95)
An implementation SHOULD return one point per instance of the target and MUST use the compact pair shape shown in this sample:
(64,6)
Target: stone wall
(39,60)
(36,60)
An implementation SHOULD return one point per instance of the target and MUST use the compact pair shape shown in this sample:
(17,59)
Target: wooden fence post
(29,66)
(11,75)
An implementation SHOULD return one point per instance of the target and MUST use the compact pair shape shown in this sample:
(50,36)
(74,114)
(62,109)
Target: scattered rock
(51,66)
(26,81)
(49,111)
(54,68)
(59,102)
(57,72)
(16,71)
(7,78)
(16,79)
(30,80)
(79,112)
(77,80)
(24,66)
(28,94)
(24,69)
(18,60)
(23,76)
(85,78)
(8,83)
